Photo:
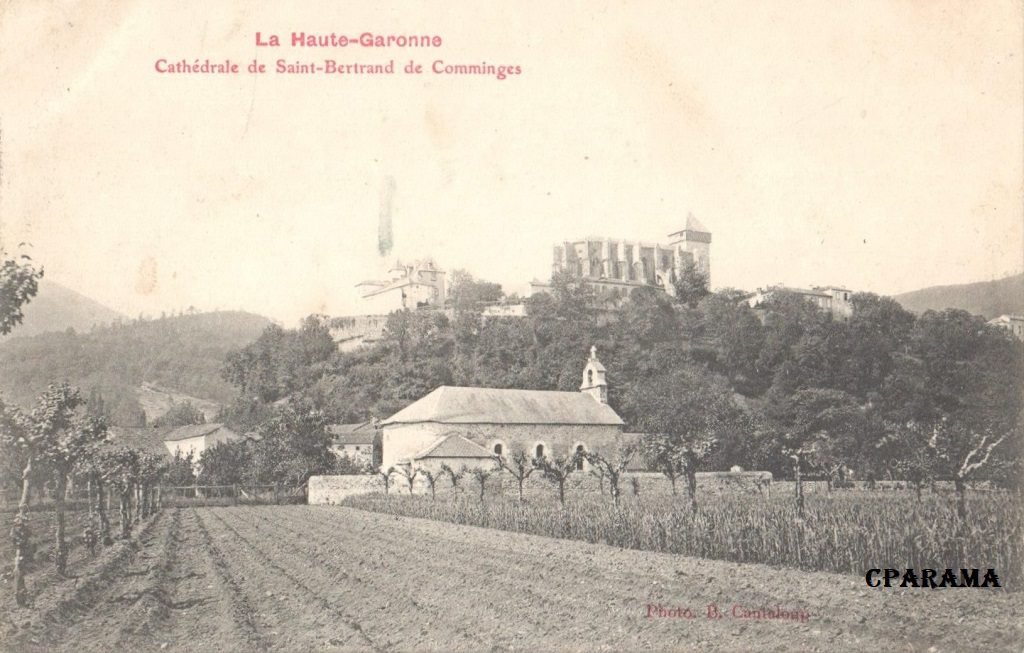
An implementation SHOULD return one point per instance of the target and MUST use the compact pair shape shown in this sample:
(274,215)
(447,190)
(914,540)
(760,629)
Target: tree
(55,435)
(648,322)
(963,450)
(87,466)
(386,477)
(788,316)
(913,459)
(16,433)
(955,388)
(180,414)
(227,463)
(19,283)
(564,325)
(480,475)
(520,466)
(729,328)
(151,469)
(409,473)
(120,472)
(557,471)
(691,285)
(683,410)
(293,445)
(467,294)
(431,482)
(181,470)
(613,466)
(453,476)
(815,425)
(879,331)
(668,460)
(281,361)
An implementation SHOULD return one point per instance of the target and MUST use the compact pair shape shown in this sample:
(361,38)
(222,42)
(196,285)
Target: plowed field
(326,578)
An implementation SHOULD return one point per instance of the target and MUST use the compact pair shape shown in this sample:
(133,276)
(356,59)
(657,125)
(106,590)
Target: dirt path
(336,579)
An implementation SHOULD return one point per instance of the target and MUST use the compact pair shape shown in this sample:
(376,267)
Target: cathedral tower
(693,244)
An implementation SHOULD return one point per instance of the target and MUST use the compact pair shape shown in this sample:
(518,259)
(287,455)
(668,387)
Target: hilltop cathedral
(614,267)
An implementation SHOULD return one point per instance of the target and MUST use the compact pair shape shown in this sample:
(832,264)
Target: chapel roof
(460,405)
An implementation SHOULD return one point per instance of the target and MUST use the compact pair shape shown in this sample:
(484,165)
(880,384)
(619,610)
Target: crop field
(329,578)
(844,532)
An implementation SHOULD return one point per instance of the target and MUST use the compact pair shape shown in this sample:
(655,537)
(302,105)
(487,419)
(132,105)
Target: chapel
(469,426)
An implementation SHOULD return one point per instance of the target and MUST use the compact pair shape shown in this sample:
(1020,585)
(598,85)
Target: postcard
(511,326)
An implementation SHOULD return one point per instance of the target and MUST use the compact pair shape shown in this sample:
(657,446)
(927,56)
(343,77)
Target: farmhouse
(479,422)
(353,440)
(145,438)
(197,438)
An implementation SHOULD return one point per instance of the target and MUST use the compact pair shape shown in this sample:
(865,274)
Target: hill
(117,365)
(56,308)
(988,298)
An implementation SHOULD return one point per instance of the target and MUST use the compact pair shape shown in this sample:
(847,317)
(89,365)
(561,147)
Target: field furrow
(326,578)
(354,598)
(285,613)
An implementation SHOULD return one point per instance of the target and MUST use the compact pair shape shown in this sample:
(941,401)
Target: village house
(197,438)
(469,423)
(353,440)
(142,438)
(421,283)
(831,299)
(1012,323)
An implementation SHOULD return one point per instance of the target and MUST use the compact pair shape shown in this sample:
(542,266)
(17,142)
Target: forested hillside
(55,308)
(712,382)
(183,353)
(988,298)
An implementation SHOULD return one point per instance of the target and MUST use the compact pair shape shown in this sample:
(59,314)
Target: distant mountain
(132,365)
(56,308)
(988,298)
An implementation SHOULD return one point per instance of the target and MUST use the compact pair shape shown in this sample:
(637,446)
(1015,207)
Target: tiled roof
(147,439)
(693,224)
(453,446)
(457,405)
(360,433)
(196,431)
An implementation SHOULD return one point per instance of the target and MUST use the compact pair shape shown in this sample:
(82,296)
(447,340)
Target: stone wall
(332,489)
(354,331)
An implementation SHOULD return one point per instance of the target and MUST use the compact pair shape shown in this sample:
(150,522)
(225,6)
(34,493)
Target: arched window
(580,450)
(538,451)
(498,449)
(590,377)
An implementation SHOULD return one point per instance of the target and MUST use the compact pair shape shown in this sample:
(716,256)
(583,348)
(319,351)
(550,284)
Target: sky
(877,145)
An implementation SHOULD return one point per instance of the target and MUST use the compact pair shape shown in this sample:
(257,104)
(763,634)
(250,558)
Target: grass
(844,532)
